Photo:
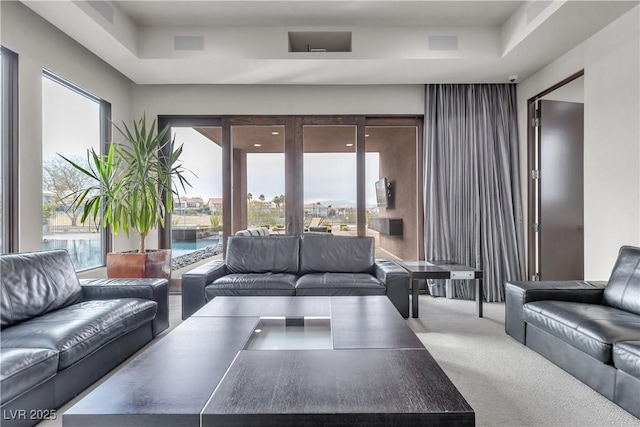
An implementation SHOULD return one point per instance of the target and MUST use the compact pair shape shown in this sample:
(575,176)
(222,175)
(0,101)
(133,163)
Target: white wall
(40,45)
(278,99)
(570,92)
(611,63)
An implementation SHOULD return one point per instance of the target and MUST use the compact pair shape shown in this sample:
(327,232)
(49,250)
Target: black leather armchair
(60,334)
(590,329)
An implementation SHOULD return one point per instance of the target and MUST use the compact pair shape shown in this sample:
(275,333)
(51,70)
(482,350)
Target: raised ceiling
(320,13)
(393,42)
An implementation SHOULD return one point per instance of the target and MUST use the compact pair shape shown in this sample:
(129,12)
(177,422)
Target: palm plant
(134,183)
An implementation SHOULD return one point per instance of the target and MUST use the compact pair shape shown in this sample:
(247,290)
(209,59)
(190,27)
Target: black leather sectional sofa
(60,334)
(589,329)
(313,264)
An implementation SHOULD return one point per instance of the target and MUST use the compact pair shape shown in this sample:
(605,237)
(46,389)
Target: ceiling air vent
(188,43)
(443,42)
(319,41)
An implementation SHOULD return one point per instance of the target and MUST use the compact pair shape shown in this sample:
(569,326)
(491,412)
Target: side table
(447,270)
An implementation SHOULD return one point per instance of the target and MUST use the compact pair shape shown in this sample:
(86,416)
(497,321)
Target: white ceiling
(319,13)
(245,42)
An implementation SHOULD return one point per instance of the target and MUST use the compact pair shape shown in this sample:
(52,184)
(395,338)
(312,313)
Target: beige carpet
(506,383)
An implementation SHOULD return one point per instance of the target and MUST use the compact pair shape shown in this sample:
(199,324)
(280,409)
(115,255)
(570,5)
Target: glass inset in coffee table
(280,333)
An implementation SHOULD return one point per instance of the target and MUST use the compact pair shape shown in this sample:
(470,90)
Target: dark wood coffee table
(375,372)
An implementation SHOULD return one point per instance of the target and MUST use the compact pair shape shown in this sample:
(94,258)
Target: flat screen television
(383,193)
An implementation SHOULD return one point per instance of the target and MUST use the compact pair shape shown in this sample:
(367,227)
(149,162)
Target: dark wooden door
(561,203)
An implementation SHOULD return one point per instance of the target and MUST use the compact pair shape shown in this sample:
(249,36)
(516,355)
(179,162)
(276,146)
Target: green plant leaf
(133,181)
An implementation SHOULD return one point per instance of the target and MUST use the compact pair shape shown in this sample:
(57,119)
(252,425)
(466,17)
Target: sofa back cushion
(263,254)
(36,283)
(623,289)
(326,253)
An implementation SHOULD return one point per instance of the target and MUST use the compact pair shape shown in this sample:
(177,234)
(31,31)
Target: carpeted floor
(505,383)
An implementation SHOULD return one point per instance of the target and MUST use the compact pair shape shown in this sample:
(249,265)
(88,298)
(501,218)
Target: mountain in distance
(348,203)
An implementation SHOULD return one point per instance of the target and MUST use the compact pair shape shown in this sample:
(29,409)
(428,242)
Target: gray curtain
(472,201)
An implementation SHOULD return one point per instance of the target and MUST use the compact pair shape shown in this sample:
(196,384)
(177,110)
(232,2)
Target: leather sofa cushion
(21,369)
(79,330)
(591,328)
(623,289)
(252,284)
(326,253)
(35,283)
(626,357)
(263,254)
(339,284)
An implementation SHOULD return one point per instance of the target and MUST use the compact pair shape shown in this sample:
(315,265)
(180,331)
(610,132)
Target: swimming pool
(183,248)
(87,253)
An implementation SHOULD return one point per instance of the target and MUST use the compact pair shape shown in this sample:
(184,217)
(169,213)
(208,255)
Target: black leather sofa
(589,329)
(60,334)
(313,264)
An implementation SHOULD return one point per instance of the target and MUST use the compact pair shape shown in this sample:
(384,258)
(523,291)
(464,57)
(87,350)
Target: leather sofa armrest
(152,289)
(517,294)
(194,282)
(396,280)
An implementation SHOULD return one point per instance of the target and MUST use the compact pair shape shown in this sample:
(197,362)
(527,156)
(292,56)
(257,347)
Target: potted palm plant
(132,187)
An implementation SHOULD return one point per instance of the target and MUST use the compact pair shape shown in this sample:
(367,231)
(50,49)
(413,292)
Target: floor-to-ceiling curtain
(472,201)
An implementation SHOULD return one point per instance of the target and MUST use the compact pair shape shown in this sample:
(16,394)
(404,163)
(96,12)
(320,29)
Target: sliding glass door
(330,178)
(197,220)
(259,177)
(297,174)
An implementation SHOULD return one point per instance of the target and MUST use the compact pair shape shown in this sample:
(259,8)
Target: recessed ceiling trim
(536,8)
(103,8)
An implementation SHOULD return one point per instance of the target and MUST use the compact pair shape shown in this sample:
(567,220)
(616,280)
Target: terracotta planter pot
(152,264)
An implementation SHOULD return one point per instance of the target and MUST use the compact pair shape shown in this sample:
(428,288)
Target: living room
(133,65)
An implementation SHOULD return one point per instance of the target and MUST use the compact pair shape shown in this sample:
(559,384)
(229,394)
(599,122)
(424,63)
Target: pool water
(87,253)
(183,248)
(84,253)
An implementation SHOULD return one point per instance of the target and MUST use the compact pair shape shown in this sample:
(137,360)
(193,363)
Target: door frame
(164,232)
(533,181)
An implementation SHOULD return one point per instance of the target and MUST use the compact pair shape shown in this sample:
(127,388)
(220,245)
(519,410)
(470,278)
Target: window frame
(105,131)
(9,153)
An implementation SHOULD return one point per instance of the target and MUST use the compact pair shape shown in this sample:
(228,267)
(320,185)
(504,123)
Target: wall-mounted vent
(319,41)
(188,43)
(103,8)
(443,42)
(536,9)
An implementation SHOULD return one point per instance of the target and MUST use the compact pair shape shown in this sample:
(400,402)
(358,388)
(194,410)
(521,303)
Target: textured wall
(398,162)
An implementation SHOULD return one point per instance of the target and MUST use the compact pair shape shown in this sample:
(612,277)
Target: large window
(9,153)
(72,122)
